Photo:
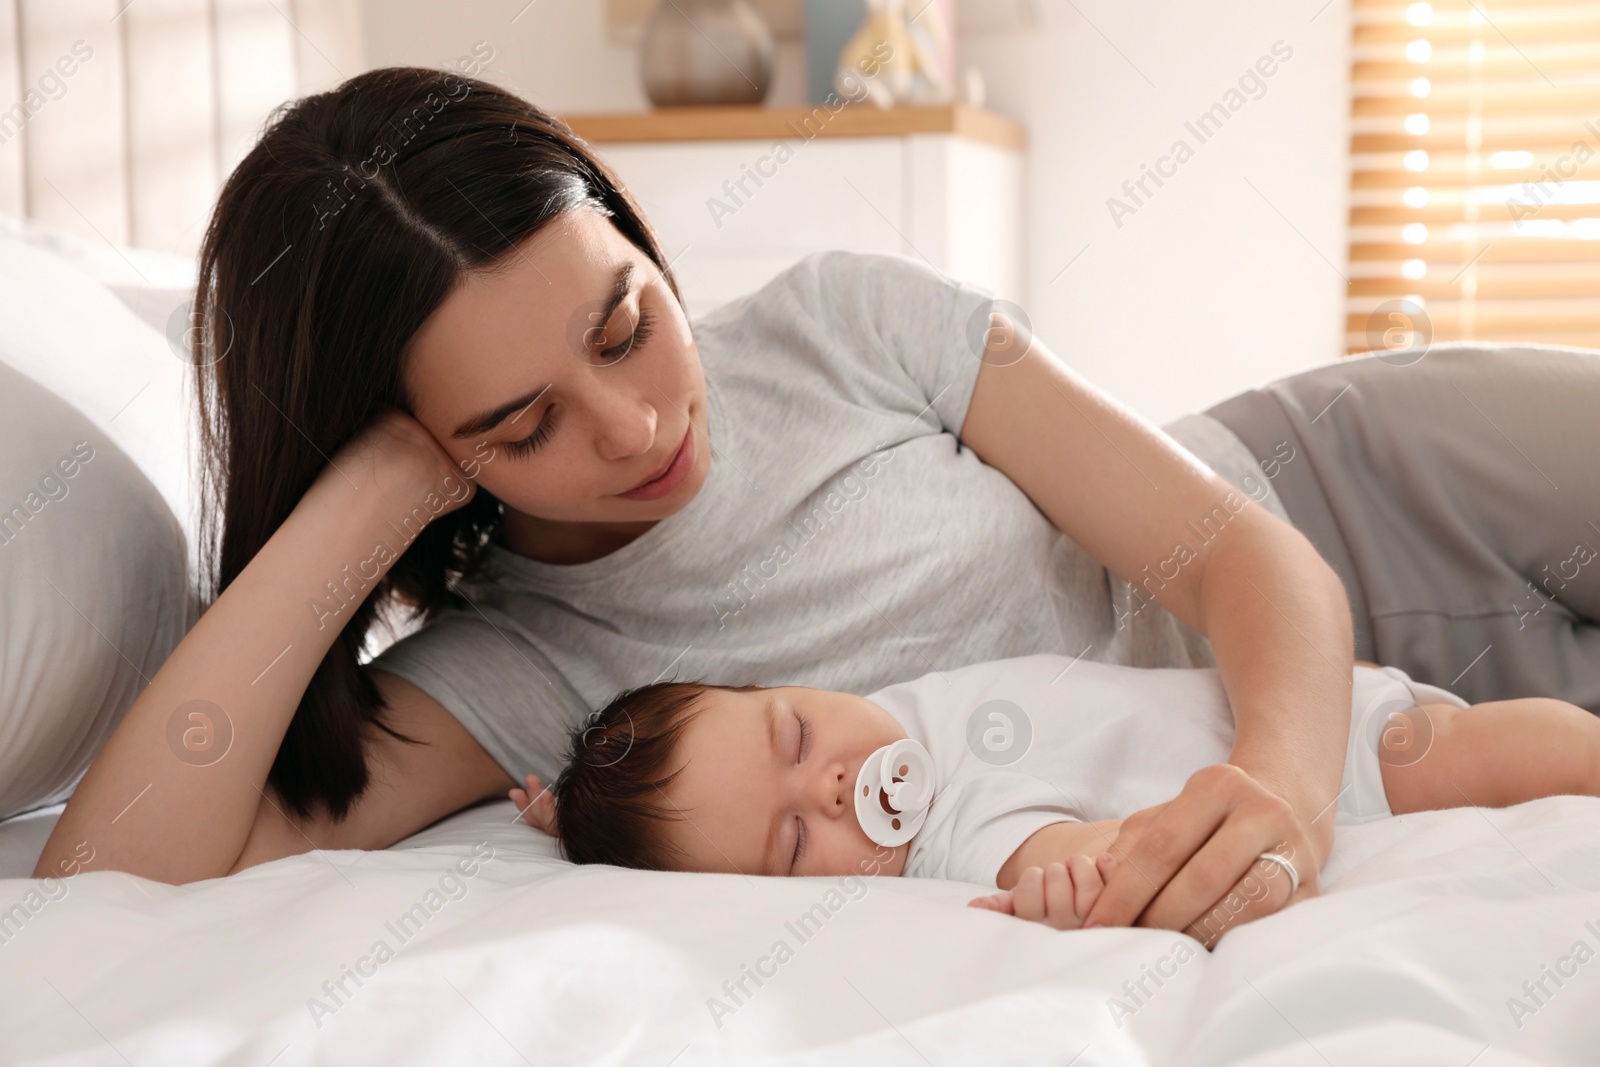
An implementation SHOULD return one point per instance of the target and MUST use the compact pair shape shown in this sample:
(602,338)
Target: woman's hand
(396,450)
(1193,863)
(245,666)
(1058,894)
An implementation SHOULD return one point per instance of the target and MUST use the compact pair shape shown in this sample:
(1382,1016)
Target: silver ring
(1294,875)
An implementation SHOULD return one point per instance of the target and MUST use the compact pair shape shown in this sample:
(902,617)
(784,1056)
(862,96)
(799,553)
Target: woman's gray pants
(1458,497)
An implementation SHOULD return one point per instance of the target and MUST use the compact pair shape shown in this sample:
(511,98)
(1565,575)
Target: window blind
(1475,173)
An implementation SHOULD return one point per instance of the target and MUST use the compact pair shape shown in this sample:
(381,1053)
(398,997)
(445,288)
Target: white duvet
(1418,953)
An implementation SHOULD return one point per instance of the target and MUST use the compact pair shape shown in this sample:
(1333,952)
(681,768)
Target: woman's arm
(148,805)
(1274,611)
(412,786)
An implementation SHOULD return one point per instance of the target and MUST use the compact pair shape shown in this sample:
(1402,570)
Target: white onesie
(1020,743)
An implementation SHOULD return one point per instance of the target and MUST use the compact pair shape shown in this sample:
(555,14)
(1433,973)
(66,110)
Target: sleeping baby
(1014,773)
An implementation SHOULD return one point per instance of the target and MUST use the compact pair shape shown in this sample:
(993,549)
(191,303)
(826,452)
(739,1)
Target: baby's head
(693,777)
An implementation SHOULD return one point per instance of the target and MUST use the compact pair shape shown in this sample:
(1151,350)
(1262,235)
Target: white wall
(556,52)
(1207,288)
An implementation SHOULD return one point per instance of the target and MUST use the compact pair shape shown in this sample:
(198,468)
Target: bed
(1458,937)
(1465,938)
(1423,950)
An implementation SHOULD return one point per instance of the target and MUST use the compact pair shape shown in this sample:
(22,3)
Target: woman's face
(567,378)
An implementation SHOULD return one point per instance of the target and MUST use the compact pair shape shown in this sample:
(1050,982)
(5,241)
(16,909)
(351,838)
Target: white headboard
(119,119)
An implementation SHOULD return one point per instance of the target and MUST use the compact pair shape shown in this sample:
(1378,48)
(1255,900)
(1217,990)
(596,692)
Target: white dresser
(739,193)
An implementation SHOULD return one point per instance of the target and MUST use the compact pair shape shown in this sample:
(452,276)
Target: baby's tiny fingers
(1027,896)
(529,809)
(1000,902)
(1058,897)
(1087,884)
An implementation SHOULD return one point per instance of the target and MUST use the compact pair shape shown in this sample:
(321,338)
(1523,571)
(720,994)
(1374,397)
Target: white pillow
(152,284)
(66,330)
(92,562)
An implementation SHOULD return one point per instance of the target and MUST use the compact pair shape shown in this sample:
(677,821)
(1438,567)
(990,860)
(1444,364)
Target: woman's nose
(626,426)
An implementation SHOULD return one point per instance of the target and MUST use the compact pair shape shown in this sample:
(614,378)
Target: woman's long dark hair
(347,224)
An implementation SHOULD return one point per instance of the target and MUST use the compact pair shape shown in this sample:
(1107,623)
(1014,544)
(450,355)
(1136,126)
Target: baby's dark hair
(609,799)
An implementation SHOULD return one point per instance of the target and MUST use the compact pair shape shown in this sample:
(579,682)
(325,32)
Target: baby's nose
(835,790)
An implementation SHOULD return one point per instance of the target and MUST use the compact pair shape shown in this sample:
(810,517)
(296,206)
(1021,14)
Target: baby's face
(751,792)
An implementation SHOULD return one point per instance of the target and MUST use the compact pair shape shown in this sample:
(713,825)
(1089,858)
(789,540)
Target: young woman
(446,369)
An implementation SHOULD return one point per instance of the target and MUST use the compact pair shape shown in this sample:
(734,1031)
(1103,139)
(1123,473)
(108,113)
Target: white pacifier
(893,790)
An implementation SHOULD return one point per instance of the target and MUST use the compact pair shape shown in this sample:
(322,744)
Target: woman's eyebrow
(488,420)
(620,284)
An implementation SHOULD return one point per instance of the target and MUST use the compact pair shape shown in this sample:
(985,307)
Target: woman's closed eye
(641,333)
(538,437)
(528,445)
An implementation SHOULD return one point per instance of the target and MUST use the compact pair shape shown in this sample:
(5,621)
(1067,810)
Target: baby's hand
(540,812)
(1059,895)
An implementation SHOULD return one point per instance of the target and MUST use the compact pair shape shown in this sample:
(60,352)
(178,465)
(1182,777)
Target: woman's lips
(670,478)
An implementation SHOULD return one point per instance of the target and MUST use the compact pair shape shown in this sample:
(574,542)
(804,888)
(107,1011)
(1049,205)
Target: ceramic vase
(706,52)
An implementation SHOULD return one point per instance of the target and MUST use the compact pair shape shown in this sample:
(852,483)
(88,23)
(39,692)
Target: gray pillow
(93,591)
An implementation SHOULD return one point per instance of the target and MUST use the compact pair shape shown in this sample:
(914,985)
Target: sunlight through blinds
(1475,172)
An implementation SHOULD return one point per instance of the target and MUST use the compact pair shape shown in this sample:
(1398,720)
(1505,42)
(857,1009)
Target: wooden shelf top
(757,123)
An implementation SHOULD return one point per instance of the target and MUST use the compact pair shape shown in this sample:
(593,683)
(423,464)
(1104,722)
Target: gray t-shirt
(843,539)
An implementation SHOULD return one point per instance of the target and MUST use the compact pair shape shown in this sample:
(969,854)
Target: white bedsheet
(1429,927)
